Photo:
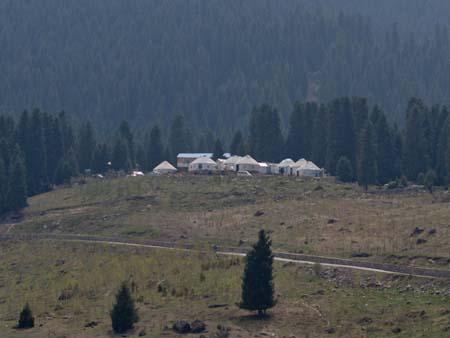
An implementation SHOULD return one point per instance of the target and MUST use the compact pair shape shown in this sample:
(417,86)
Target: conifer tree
(3,186)
(429,180)
(415,143)
(384,150)
(319,136)
(257,282)
(141,158)
(35,155)
(127,136)
(26,319)
(101,158)
(155,153)
(65,171)
(367,165)
(120,156)
(54,144)
(86,147)
(300,125)
(237,146)
(178,139)
(218,150)
(344,171)
(17,185)
(124,314)
(341,134)
(265,139)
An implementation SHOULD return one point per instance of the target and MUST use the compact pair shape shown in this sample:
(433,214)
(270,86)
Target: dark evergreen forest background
(360,87)
(147,61)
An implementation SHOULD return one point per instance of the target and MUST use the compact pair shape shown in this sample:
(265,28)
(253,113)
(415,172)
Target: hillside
(320,218)
(214,60)
(70,285)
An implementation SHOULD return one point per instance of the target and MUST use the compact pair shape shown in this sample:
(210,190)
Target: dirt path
(279,256)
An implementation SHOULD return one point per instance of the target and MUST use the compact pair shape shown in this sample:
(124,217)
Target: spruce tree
(265,139)
(415,143)
(35,154)
(26,319)
(298,125)
(120,156)
(218,150)
(341,135)
(237,146)
(344,171)
(54,145)
(178,138)
(384,150)
(429,180)
(3,186)
(367,164)
(17,184)
(257,282)
(319,136)
(124,314)
(127,136)
(155,153)
(86,147)
(101,158)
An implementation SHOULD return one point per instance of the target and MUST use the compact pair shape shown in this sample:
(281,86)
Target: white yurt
(264,168)
(202,165)
(284,167)
(247,163)
(308,169)
(230,163)
(164,168)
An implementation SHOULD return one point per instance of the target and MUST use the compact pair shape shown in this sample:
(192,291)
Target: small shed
(164,168)
(184,159)
(247,163)
(203,165)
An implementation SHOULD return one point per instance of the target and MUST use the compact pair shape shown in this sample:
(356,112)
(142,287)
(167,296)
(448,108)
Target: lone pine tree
(257,282)
(123,314)
(26,319)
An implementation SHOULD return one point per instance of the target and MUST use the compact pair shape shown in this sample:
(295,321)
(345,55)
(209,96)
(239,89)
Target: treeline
(349,136)
(346,136)
(109,60)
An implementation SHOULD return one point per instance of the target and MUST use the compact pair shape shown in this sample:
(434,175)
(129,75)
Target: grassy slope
(221,210)
(40,272)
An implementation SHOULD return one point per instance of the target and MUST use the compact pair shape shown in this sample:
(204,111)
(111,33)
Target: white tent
(164,168)
(247,163)
(284,167)
(203,164)
(264,168)
(230,163)
(309,169)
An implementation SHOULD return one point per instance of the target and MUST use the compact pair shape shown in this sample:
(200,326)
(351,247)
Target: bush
(344,170)
(123,314)
(26,319)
